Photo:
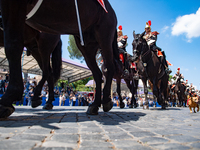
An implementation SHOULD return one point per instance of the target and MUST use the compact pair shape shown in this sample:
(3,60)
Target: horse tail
(115,48)
(57,61)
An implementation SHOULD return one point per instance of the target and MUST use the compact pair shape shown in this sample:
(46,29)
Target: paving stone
(56,144)
(67,128)
(96,144)
(38,131)
(17,145)
(53,148)
(28,137)
(195,145)
(149,140)
(65,138)
(170,146)
(93,137)
(95,148)
(142,134)
(66,131)
(183,138)
(91,130)
(119,135)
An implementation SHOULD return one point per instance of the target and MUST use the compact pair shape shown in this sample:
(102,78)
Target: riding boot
(126,72)
(168,71)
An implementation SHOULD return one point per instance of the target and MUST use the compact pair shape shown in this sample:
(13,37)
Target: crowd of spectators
(67,94)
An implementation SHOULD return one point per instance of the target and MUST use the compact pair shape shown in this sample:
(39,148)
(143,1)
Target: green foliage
(170,77)
(73,50)
(78,85)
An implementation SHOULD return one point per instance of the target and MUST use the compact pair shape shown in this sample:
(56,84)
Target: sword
(79,24)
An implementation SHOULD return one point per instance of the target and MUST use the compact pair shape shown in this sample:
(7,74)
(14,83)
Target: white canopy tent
(71,71)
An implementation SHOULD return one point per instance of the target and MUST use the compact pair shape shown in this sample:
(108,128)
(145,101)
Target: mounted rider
(151,38)
(122,43)
(178,75)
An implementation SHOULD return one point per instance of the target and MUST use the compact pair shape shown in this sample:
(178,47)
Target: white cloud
(164,29)
(188,25)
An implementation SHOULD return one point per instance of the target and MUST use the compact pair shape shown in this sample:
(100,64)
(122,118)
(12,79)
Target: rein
(145,64)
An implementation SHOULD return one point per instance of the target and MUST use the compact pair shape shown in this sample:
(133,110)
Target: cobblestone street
(68,128)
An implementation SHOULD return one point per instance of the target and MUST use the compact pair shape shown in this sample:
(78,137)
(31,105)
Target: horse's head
(138,45)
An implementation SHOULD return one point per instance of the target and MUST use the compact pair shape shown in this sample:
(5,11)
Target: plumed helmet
(119,29)
(148,24)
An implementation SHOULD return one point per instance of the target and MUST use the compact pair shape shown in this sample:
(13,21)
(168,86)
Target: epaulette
(155,33)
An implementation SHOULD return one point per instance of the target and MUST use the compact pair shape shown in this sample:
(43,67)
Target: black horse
(98,28)
(41,46)
(179,90)
(130,80)
(153,68)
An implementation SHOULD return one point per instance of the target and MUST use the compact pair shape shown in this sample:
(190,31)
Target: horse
(153,68)
(130,80)
(180,89)
(98,30)
(41,46)
(171,95)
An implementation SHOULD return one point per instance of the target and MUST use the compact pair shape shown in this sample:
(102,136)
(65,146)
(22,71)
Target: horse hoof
(122,105)
(163,107)
(48,106)
(130,106)
(135,106)
(35,104)
(145,107)
(108,106)
(6,111)
(92,110)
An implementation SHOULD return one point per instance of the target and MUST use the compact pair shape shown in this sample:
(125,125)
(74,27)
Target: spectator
(47,96)
(84,100)
(2,85)
(29,96)
(79,99)
(7,77)
(62,99)
(71,98)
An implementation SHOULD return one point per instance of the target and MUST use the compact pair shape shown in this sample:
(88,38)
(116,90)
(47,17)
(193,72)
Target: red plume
(149,22)
(178,69)
(120,27)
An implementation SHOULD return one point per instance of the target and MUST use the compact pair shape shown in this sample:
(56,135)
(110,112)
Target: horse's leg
(13,24)
(89,53)
(107,39)
(163,90)
(134,92)
(122,105)
(46,44)
(146,104)
(50,81)
(132,87)
(53,77)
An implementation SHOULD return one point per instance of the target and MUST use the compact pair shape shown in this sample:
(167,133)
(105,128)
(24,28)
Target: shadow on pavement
(52,119)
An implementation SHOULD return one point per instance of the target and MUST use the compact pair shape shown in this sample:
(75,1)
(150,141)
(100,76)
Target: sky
(177,21)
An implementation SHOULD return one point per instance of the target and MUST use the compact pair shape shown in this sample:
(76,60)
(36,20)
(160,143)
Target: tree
(74,52)
(170,77)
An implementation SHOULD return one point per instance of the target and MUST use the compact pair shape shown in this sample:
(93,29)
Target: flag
(101,2)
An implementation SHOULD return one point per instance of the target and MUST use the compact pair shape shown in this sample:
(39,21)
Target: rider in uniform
(151,38)
(177,75)
(122,42)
